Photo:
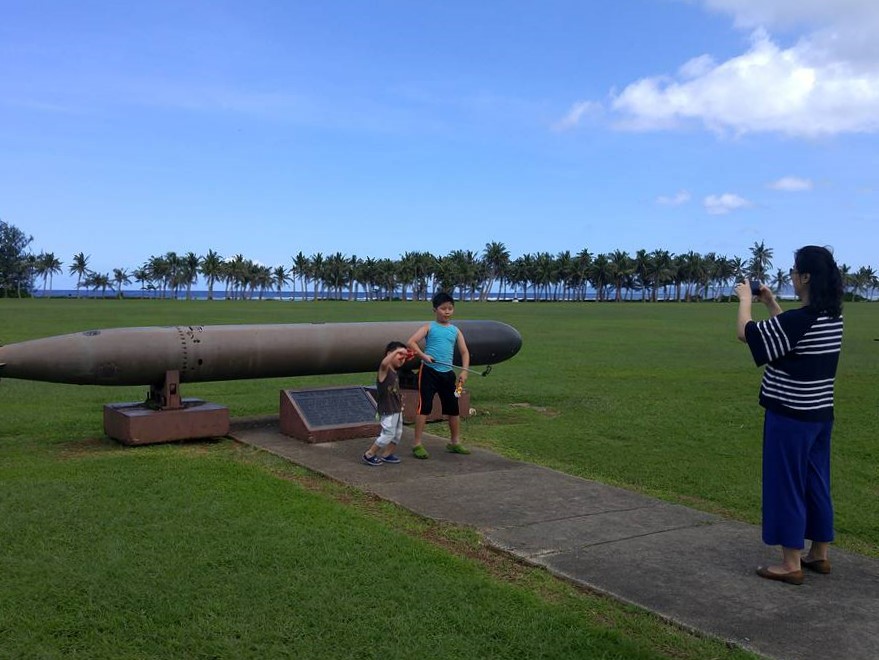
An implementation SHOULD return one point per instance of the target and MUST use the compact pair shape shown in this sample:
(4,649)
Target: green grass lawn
(217,550)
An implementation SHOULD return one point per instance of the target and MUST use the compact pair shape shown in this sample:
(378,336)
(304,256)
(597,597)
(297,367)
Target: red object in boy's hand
(409,355)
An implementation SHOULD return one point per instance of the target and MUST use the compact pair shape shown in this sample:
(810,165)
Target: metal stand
(167,395)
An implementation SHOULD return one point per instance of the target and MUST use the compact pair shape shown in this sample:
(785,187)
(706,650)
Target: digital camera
(755,287)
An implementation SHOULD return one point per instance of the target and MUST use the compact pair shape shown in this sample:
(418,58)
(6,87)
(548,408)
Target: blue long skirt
(796,481)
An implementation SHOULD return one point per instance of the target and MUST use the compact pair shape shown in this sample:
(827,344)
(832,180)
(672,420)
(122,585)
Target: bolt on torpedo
(143,356)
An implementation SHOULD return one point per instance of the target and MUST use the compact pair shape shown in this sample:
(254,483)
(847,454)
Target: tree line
(646,275)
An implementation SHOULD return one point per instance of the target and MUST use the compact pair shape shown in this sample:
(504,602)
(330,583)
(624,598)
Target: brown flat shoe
(793,577)
(816,565)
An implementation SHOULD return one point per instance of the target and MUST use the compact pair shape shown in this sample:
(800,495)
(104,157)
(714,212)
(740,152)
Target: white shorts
(392,429)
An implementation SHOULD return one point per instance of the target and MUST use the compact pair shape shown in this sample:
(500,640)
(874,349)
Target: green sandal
(418,451)
(457,448)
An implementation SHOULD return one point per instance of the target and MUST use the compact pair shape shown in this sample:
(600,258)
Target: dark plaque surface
(333,407)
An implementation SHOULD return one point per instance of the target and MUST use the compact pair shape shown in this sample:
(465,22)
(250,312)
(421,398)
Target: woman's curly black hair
(825,280)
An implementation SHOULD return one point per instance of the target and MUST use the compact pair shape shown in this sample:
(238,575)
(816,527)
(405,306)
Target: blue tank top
(440,344)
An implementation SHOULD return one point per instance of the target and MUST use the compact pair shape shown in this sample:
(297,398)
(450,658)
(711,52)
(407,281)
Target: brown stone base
(137,424)
(410,405)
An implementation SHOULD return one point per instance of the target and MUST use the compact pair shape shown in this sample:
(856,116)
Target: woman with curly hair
(800,350)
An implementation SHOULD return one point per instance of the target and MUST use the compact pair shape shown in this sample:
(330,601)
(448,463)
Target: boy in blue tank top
(436,376)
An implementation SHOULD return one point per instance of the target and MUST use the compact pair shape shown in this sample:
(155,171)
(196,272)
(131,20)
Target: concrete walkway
(689,566)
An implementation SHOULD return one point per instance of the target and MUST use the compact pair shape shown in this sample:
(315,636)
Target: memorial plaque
(327,414)
(331,407)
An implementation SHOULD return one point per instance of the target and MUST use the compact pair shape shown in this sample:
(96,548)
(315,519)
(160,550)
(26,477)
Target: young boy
(390,406)
(436,376)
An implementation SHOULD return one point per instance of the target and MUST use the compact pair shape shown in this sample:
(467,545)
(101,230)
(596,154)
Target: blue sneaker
(374,461)
(391,458)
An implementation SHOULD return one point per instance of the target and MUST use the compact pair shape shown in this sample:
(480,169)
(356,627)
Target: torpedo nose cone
(490,342)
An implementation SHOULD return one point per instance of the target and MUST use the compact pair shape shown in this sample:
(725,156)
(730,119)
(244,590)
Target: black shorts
(430,382)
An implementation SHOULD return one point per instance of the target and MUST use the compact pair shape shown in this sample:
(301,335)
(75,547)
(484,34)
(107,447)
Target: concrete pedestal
(137,424)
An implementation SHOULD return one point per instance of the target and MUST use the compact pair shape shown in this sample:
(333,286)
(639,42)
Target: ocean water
(300,296)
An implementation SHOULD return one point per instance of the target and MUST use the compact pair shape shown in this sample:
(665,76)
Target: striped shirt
(800,349)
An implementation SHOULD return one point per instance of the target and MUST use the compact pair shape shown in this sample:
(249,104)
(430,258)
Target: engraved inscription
(333,407)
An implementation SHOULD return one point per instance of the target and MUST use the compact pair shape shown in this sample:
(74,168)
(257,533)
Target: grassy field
(215,550)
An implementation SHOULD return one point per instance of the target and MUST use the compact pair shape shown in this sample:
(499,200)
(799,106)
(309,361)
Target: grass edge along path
(215,550)
(667,637)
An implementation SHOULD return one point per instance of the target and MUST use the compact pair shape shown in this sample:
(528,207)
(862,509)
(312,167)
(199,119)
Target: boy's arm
(414,346)
(384,366)
(465,356)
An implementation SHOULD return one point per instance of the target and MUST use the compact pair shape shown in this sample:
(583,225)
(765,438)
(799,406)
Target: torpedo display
(145,355)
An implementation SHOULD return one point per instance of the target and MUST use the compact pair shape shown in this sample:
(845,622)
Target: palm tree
(599,275)
(315,270)
(463,269)
(621,265)
(692,273)
(518,274)
(738,266)
(580,273)
(26,271)
(259,277)
(158,271)
(189,266)
(45,266)
(781,280)
(386,276)
(80,267)
(874,283)
(760,263)
(845,273)
(870,281)
(211,268)
(352,268)
(661,272)
(425,270)
(301,269)
(408,274)
(97,281)
(725,270)
(445,277)
(862,280)
(280,277)
(120,277)
(497,259)
(563,270)
(542,275)
(335,268)
(141,277)
(236,269)
(643,272)
(367,274)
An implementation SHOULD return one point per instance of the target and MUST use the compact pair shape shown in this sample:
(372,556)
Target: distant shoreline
(308,296)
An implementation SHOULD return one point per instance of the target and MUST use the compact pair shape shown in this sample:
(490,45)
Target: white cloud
(840,29)
(826,83)
(682,197)
(696,67)
(791,184)
(765,89)
(723,204)
(577,112)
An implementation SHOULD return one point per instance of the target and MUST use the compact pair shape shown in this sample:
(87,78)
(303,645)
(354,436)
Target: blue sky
(267,128)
